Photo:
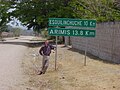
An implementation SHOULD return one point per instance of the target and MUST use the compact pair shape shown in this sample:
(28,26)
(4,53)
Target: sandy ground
(10,66)
(19,66)
(71,74)
(11,55)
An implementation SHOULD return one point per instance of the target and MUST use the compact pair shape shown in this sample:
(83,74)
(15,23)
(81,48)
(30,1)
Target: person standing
(45,51)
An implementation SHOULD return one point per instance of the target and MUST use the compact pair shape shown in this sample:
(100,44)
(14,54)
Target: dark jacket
(46,50)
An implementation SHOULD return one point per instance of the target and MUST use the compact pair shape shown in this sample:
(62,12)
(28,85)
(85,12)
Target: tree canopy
(35,13)
(4,14)
(101,10)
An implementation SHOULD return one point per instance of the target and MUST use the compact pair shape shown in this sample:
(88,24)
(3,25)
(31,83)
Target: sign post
(56,54)
(71,32)
(86,46)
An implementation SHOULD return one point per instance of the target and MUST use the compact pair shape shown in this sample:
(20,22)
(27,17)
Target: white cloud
(16,23)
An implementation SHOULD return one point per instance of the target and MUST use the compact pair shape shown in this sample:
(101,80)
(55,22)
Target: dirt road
(71,73)
(11,55)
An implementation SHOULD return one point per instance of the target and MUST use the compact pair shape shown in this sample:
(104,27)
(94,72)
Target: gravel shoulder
(11,72)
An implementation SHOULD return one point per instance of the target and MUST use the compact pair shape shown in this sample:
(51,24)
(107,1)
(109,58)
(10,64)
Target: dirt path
(71,73)
(10,69)
(11,74)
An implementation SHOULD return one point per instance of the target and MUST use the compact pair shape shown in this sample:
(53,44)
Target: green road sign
(72,22)
(71,32)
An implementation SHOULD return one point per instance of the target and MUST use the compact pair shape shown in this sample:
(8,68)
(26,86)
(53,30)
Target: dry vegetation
(71,74)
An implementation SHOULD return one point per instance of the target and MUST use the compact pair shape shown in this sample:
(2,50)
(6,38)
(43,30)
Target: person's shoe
(40,73)
(43,73)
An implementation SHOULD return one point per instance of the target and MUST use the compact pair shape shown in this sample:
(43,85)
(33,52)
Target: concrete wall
(106,44)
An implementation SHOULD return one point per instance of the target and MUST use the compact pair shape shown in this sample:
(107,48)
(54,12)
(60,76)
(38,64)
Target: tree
(3,28)
(101,10)
(35,13)
(4,15)
(16,32)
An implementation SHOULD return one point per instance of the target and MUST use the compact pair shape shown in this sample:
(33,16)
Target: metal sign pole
(85,52)
(56,54)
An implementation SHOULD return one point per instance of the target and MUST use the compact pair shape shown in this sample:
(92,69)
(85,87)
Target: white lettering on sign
(56,22)
(61,32)
(86,23)
(76,23)
(51,32)
(66,22)
(68,32)
(87,33)
(81,32)
(91,24)
(73,23)
(80,23)
(75,32)
(56,31)
(92,33)
(71,32)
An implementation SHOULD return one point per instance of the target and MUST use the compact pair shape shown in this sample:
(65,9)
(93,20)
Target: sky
(15,22)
